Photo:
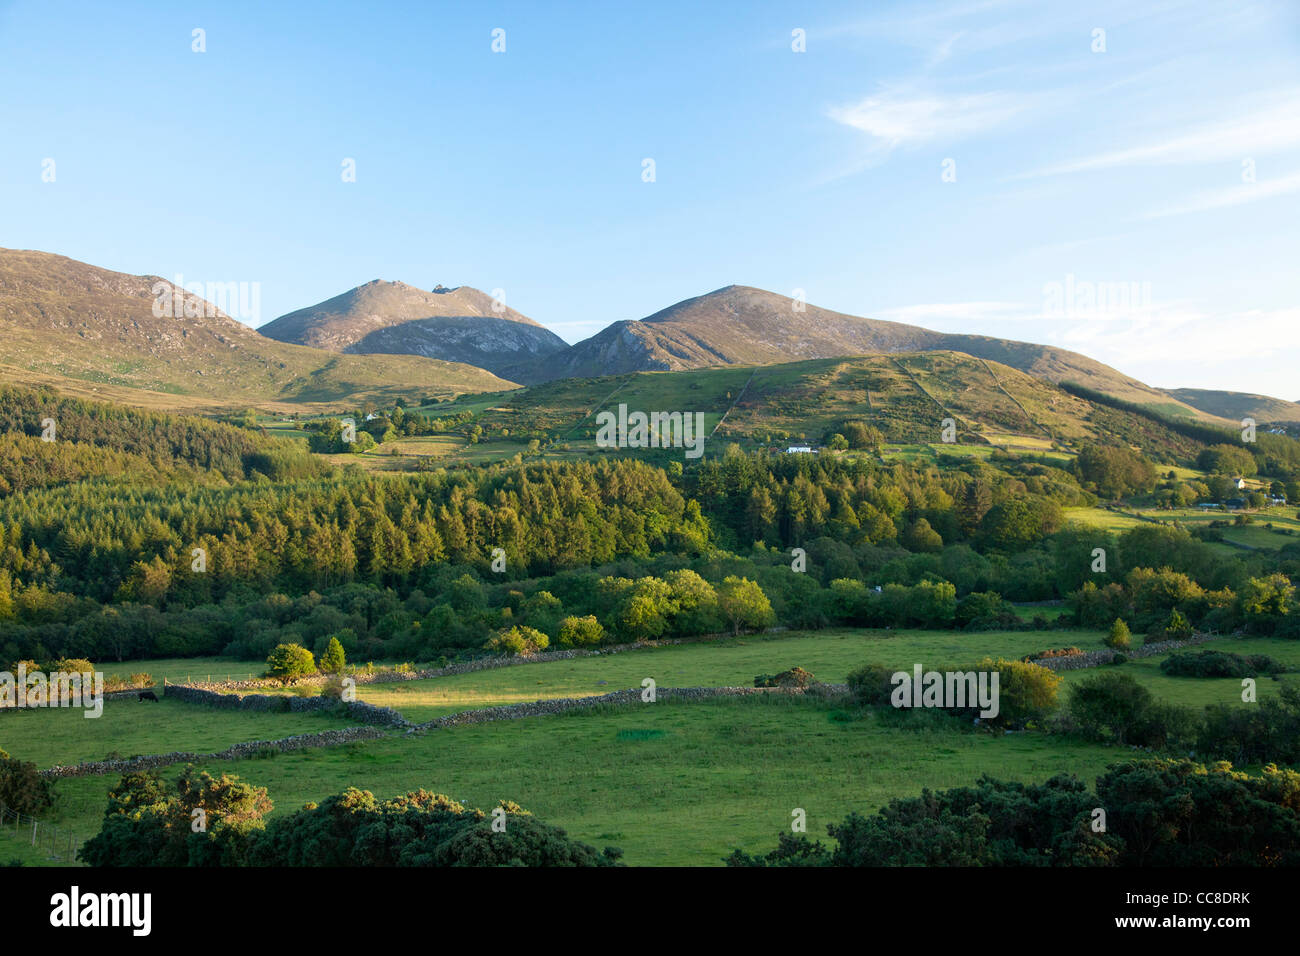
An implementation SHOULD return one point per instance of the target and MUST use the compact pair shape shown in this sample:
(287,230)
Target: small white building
(800,450)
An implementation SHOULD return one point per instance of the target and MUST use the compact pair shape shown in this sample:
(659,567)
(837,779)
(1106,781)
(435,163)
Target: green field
(1102,518)
(1253,535)
(672,782)
(830,655)
(1051,612)
(185,670)
(1197,692)
(721,774)
(905,395)
(129,728)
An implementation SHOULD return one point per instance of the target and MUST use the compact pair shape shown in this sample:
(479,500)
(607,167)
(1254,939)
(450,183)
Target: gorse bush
(148,822)
(22,788)
(794,678)
(152,822)
(1210,663)
(1112,707)
(1026,692)
(872,685)
(417,829)
(1267,731)
(1158,813)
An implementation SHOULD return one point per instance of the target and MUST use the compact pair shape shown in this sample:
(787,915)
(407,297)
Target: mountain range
(95,332)
(739,325)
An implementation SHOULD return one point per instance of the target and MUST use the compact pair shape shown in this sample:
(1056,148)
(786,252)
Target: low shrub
(1052,652)
(795,677)
(22,788)
(1210,663)
(871,685)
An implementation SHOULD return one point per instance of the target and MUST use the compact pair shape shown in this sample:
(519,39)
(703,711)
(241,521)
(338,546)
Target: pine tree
(333,660)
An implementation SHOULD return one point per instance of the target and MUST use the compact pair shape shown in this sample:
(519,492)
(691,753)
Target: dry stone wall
(559,705)
(461,667)
(346,735)
(327,738)
(1076,662)
(354,710)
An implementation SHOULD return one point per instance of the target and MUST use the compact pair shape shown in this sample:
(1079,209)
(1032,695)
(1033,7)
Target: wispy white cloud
(1161,346)
(942,51)
(900,119)
(1232,196)
(1273,128)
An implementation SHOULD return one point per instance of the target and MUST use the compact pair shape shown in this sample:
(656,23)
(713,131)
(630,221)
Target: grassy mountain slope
(906,395)
(92,332)
(1238,405)
(457,325)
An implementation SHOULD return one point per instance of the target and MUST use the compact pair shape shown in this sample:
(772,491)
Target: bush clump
(795,677)
(1152,806)
(1119,638)
(871,685)
(1052,652)
(518,641)
(289,662)
(1219,664)
(22,788)
(581,631)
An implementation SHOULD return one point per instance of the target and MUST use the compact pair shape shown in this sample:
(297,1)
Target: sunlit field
(670,782)
(130,728)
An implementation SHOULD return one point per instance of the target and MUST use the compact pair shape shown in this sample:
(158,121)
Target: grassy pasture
(186,669)
(670,782)
(128,727)
(1102,519)
(830,655)
(1198,692)
(1254,535)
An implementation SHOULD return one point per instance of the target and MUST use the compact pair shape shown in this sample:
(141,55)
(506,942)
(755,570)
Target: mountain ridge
(83,328)
(737,325)
(1237,405)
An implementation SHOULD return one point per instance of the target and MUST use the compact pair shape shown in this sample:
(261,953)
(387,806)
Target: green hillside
(906,396)
(93,333)
(1238,405)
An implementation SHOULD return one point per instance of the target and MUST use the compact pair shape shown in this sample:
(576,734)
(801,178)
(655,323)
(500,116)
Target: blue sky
(1124,169)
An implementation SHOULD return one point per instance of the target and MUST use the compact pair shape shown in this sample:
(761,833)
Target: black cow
(147,695)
